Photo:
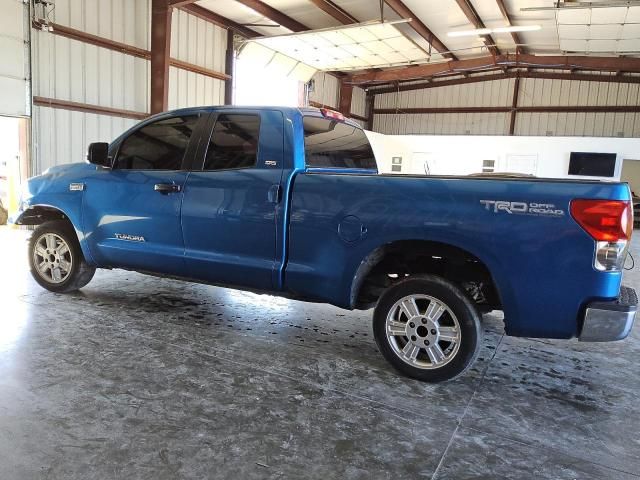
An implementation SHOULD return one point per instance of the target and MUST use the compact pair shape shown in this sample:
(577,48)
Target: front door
(131,213)
(229,215)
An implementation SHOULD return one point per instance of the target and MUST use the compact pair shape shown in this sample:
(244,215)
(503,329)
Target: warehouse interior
(146,376)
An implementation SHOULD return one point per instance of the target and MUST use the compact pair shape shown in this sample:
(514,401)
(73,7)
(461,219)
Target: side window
(157,146)
(328,143)
(234,142)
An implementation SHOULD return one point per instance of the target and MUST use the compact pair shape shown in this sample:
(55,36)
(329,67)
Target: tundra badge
(130,238)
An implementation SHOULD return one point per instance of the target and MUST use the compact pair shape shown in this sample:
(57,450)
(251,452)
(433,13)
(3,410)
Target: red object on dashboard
(604,220)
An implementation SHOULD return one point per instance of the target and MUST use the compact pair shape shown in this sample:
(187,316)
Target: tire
(427,328)
(58,249)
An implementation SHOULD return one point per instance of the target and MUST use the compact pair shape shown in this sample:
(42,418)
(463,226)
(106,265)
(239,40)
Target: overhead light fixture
(488,31)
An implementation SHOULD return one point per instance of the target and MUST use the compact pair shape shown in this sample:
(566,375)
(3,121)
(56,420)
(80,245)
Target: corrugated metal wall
(359,102)
(71,70)
(543,92)
(326,90)
(201,43)
(76,71)
(61,136)
(499,93)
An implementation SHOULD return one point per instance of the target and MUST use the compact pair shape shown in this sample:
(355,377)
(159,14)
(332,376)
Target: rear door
(131,213)
(230,210)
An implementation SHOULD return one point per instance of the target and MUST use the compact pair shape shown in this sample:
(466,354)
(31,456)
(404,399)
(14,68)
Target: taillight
(604,220)
(610,223)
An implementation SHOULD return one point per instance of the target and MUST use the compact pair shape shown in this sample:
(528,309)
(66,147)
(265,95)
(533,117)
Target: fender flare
(31,216)
(376,255)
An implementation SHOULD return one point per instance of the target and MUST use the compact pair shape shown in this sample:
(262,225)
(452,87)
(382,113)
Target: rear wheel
(56,260)
(427,328)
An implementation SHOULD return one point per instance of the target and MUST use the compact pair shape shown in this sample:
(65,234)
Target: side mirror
(98,154)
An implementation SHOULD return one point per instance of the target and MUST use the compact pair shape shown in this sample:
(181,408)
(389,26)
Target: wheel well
(39,214)
(398,260)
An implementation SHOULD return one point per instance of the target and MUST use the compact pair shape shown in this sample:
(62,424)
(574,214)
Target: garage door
(14,58)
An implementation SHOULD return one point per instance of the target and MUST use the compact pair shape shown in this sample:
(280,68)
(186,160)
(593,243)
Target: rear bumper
(610,321)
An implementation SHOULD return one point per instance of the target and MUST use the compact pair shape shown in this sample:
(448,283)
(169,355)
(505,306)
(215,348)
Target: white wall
(456,155)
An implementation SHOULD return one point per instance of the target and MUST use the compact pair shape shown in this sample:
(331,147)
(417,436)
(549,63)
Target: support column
(371,99)
(346,93)
(229,69)
(514,106)
(160,50)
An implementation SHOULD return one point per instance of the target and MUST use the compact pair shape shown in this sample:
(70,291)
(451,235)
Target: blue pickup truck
(289,202)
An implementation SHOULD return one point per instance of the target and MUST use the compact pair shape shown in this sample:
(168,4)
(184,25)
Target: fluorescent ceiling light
(487,31)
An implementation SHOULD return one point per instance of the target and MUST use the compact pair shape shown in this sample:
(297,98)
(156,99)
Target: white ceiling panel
(631,32)
(609,31)
(628,46)
(573,45)
(602,46)
(608,15)
(573,31)
(304,12)
(574,16)
(633,15)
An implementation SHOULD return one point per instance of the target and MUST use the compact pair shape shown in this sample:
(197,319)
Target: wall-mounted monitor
(589,164)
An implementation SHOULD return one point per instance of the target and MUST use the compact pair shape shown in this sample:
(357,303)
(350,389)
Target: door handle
(166,188)
(274,195)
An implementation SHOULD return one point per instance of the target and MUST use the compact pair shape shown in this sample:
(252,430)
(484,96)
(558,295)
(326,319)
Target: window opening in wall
(488,166)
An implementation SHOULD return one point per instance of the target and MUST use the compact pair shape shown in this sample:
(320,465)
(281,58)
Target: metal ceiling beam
(229,67)
(559,62)
(274,15)
(180,3)
(507,17)
(546,109)
(421,29)
(160,48)
(219,20)
(476,21)
(330,8)
(504,75)
(514,105)
(346,94)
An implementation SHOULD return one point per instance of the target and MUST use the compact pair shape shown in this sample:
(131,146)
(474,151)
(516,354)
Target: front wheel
(56,260)
(427,328)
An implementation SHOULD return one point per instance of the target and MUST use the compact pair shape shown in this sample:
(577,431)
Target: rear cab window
(329,143)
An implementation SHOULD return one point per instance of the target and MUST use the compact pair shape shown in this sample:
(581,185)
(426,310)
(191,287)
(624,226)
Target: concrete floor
(137,377)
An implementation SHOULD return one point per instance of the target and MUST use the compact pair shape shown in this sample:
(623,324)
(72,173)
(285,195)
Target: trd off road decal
(522,208)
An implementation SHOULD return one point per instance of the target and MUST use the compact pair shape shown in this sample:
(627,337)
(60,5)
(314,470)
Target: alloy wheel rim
(423,331)
(52,258)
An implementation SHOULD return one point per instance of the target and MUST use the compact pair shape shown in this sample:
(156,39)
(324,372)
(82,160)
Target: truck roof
(287,110)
